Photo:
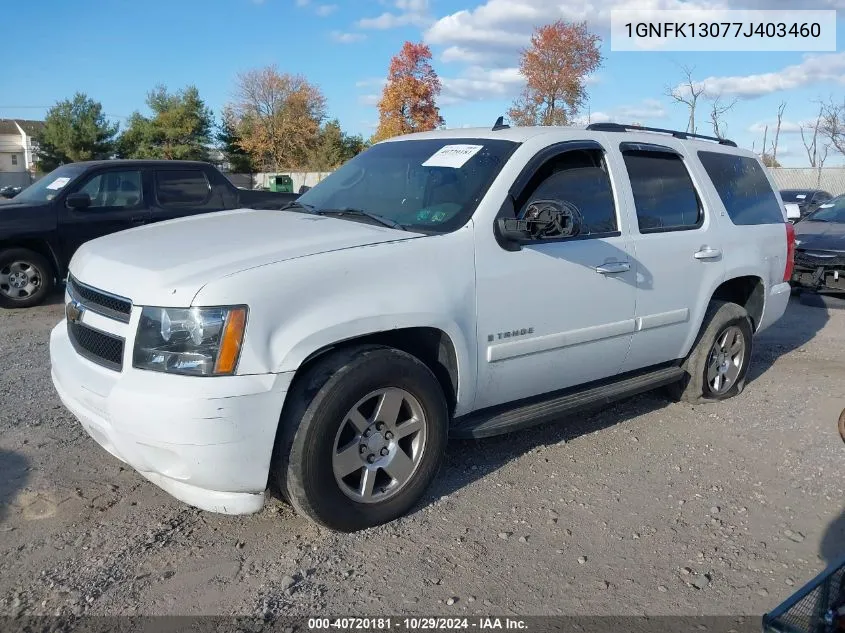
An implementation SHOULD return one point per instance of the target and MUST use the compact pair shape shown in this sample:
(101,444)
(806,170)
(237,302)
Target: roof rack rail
(619,127)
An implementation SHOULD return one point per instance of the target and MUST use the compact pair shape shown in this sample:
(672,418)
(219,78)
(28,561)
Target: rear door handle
(610,268)
(138,221)
(708,253)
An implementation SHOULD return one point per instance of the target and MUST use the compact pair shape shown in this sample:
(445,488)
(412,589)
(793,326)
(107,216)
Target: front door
(556,313)
(117,203)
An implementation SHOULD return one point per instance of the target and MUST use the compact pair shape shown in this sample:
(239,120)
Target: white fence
(831,179)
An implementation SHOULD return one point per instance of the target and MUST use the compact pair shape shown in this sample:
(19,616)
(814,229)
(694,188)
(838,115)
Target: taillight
(790,252)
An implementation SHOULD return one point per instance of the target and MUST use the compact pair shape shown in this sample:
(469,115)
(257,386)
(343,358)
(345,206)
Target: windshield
(795,195)
(432,186)
(832,211)
(50,185)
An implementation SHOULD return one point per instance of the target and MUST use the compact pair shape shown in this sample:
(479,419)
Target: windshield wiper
(393,224)
(295,204)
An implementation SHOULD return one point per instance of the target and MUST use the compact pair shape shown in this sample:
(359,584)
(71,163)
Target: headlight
(192,341)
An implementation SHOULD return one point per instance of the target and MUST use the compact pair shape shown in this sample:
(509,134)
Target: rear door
(183,191)
(676,247)
(117,203)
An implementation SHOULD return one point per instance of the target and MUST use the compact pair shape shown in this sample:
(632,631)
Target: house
(17,145)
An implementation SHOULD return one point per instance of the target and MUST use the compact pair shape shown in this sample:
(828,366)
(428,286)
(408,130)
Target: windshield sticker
(58,183)
(800,196)
(454,156)
(826,206)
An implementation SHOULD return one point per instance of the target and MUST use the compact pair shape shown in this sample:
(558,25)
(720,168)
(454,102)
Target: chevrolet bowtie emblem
(73,311)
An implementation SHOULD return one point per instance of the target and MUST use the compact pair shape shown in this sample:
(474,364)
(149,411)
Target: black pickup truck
(41,227)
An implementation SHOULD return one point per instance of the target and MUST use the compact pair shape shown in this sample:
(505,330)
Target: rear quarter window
(182,187)
(743,188)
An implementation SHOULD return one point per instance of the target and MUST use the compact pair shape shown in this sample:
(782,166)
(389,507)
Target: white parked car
(465,282)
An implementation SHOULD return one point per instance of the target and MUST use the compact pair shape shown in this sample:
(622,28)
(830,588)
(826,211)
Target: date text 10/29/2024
(416,624)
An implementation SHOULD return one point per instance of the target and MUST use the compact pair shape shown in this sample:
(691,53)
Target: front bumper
(206,441)
(819,270)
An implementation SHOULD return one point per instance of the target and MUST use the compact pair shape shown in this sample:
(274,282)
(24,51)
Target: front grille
(109,305)
(98,347)
(814,259)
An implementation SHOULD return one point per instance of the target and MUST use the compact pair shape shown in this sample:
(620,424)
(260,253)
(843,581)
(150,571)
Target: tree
(833,124)
(717,111)
(179,129)
(769,160)
(240,162)
(555,67)
(781,109)
(687,93)
(75,129)
(815,156)
(334,147)
(408,102)
(277,117)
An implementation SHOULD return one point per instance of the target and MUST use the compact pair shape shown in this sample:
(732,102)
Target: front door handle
(708,253)
(138,221)
(610,268)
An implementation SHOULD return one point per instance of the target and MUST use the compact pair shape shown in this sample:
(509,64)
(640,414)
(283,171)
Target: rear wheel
(361,438)
(26,278)
(717,366)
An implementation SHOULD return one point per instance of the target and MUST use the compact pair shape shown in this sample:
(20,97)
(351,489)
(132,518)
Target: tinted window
(433,185)
(743,187)
(113,189)
(182,187)
(794,195)
(579,179)
(663,192)
(833,211)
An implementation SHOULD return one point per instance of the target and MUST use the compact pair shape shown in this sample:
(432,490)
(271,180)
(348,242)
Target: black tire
(314,410)
(37,263)
(694,387)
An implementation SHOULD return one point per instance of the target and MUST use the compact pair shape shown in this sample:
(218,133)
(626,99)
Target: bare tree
(811,141)
(687,93)
(717,111)
(833,124)
(781,108)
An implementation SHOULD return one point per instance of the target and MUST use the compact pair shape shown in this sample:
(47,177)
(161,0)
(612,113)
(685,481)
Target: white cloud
(479,84)
(347,38)
(302,3)
(369,100)
(812,70)
(372,81)
(326,9)
(409,13)
(646,111)
(786,127)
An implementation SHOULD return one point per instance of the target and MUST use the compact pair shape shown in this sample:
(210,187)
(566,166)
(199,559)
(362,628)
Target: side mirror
(304,188)
(543,220)
(78,201)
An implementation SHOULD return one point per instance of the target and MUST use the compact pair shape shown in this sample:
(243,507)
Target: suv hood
(823,236)
(167,263)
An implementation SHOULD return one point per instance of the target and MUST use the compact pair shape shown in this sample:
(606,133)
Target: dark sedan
(808,200)
(820,248)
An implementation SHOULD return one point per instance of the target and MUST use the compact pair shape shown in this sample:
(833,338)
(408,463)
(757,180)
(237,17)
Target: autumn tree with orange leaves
(556,65)
(408,103)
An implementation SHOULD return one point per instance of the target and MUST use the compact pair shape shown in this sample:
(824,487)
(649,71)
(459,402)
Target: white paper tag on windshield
(800,196)
(452,156)
(58,183)
(825,206)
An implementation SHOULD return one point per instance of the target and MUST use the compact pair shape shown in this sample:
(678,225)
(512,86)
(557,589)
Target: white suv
(464,282)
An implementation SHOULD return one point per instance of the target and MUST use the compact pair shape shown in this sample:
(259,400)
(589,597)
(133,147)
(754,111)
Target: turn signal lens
(231,341)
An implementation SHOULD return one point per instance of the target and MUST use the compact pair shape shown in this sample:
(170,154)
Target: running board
(510,417)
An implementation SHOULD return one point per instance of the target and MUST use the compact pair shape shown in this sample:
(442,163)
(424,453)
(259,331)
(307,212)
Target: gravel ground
(645,507)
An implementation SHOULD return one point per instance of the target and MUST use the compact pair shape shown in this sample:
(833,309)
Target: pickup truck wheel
(717,366)
(362,435)
(26,278)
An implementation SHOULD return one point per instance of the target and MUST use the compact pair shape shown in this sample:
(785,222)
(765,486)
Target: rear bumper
(206,441)
(775,304)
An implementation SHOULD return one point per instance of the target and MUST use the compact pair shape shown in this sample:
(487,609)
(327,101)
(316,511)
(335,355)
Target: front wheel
(26,278)
(717,366)
(362,435)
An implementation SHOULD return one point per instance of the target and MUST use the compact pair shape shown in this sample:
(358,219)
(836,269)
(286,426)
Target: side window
(743,188)
(182,187)
(579,179)
(114,189)
(14,159)
(821,196)
(664,195)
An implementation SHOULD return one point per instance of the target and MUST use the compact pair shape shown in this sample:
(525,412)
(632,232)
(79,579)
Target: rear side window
(664,195)
(743,187)
(182,187)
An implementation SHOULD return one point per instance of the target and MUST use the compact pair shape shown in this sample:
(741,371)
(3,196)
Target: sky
(116,51)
